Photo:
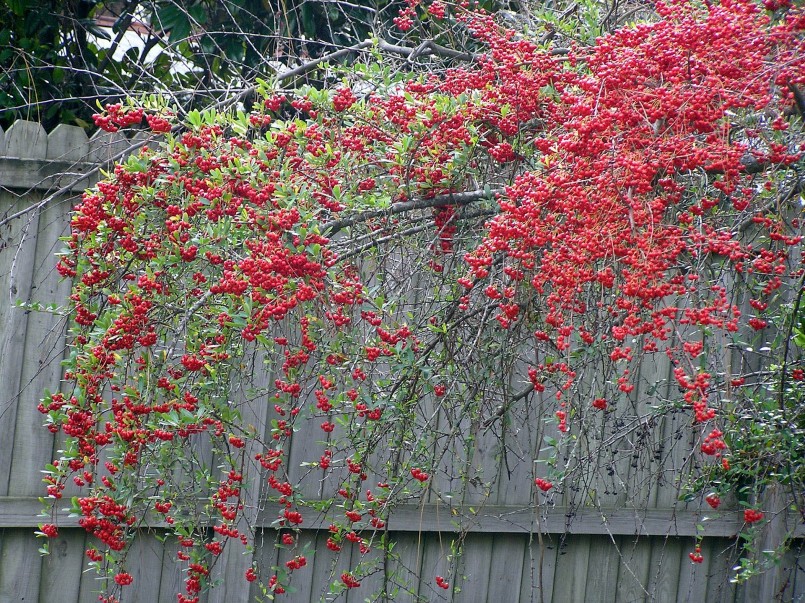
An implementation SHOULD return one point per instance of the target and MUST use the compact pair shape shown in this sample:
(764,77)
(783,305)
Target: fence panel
(623,546)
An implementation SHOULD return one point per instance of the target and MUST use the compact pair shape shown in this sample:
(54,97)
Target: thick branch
(799,98)
(330,228)
(305,67)
(427,48)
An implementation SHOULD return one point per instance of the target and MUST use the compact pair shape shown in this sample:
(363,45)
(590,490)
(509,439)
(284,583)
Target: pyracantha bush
(228,276)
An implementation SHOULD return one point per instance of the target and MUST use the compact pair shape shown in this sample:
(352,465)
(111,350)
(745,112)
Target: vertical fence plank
(20,567)
(435,552)
(766,586)
(506,567)
(570,577)
(665,568)
(105,146)
(327,567)
(721,556)
(17,253)
(43,352)
(603,569)
(692,580)
(144,561)
(539,567)
(633,575)
(474,567)
(68,143)
(61,570)
(231,567)
(171,578)
(26,140)
(793,575)
(404,567)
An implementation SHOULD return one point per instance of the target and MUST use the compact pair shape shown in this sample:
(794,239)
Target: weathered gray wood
(327,567)
(721,555)
(91,583)
(505,567)
(106,146)
(68,143)
(773,533)
(171,580)
(22,512)
(523,439)
(41,174)
(2,142)
(371,584)
(666,559)
(144,561)
(539,568)
(604,566)
(61,570)
(20,566)
(570,577)
(474,566)
(17,256)
(306,446)
(633,574)
(645,472)
(692,580)
(435,551)
(43,352)
(235,561)
(404,567)
(793,573)
(26,140)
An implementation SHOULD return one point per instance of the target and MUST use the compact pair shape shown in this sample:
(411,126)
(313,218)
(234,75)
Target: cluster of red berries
(752,515)
(543,484)
(419,475)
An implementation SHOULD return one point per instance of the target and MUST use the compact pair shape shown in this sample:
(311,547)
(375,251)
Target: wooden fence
(615,547)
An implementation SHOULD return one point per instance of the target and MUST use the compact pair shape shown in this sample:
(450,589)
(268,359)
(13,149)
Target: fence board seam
(20,512)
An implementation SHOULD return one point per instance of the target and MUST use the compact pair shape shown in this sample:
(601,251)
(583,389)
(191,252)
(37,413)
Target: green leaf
(18,7)
(174,20)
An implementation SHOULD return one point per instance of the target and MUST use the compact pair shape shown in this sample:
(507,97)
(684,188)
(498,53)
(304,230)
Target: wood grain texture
(25,140)
(43,351)
(539,569)
(17,252)
(20,566)
(572,566)
(506,567)
(68,143)
(61,570)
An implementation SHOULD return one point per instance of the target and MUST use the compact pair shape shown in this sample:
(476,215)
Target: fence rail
(513,550)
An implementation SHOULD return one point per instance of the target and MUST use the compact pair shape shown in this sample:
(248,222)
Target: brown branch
(427,48)
(799,98)
(405,233)
(466,198)
(305,67)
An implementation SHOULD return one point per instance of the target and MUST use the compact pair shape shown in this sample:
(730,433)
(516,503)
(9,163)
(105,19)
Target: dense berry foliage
(226,273)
